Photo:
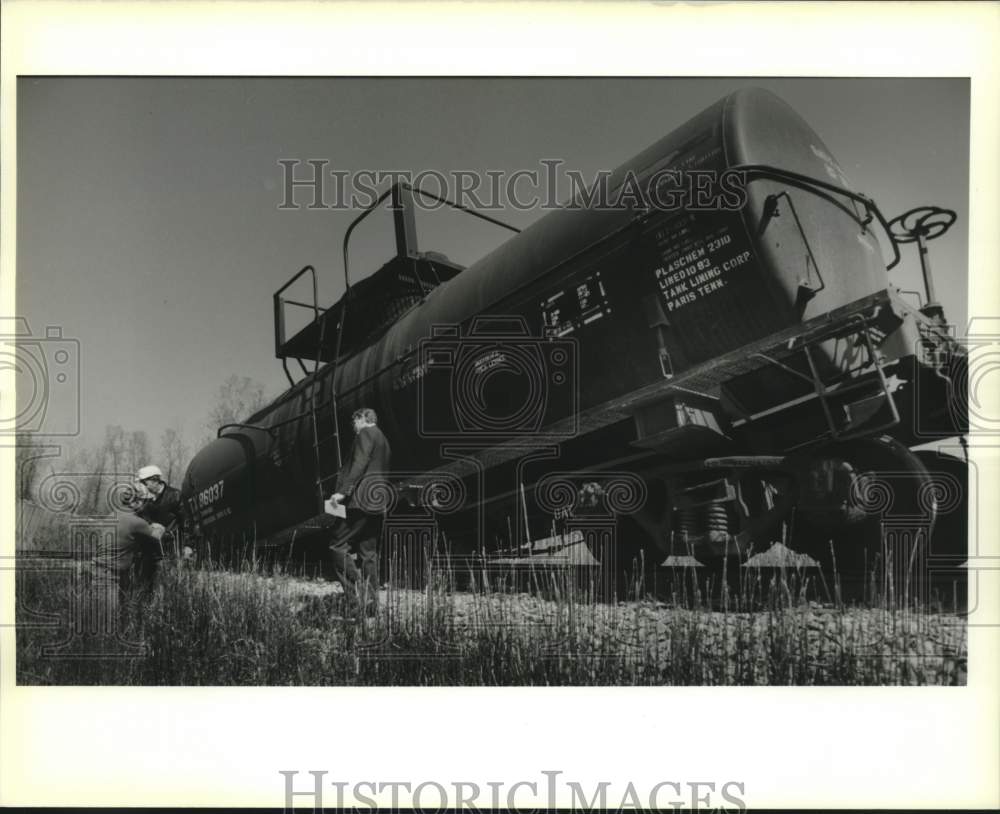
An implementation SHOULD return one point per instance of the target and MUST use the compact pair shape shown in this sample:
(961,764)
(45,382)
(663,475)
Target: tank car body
(720,326)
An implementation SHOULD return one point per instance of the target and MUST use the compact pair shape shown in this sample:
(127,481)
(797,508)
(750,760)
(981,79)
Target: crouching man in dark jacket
(122,577)
(368,461)
(163,508)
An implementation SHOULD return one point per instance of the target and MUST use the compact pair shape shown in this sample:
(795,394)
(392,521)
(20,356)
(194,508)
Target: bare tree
(239,398)
(98,462)
(173,453)
(91,463)
(137,450)
(113,451)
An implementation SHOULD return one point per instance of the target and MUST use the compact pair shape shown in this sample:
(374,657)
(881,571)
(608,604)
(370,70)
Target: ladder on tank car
(315,386)
(322,343)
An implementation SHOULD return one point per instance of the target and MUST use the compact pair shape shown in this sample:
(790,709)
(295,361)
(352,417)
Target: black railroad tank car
(729,336)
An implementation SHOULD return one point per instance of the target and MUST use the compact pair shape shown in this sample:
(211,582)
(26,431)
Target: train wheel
(865,511)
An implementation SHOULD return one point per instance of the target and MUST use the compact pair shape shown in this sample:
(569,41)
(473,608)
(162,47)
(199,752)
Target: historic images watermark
(550,791)
(315,184)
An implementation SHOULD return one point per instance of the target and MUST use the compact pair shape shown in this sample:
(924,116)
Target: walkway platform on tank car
(373,304)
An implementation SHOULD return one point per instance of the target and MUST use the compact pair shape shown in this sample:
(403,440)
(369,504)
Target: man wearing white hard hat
(165,506)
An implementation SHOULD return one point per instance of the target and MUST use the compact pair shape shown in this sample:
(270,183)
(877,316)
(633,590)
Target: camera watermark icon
(963,394)
(45,371)
(496,382)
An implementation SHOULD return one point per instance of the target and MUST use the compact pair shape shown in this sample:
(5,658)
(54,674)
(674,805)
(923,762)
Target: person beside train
(163,508)
(368,463)
(122,576)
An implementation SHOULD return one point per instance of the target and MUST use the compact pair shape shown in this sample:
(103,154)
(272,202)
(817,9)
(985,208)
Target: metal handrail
(294,278)
(305,305)
(279,340)
(917,294)
(279,314)
(371,208)
(813,185)
(460,208)
(273,428)
(242,426)
(798,223)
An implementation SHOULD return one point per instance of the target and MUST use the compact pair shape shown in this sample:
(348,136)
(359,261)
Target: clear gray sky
(149,228)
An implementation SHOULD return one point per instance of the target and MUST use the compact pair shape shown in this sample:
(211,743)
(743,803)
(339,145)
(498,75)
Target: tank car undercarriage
(865,520)
(845,504)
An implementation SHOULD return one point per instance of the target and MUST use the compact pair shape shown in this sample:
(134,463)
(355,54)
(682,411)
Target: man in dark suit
(367,464)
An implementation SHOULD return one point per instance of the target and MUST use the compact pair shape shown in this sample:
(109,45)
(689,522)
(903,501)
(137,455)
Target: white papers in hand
(336,509)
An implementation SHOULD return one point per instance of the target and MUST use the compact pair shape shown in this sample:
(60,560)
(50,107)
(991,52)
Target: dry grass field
(207,626)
